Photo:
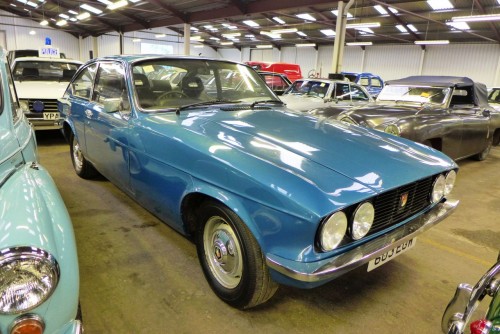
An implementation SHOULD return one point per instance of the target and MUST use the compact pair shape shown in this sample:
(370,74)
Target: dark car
(278,82)
(269,195)
(450,114)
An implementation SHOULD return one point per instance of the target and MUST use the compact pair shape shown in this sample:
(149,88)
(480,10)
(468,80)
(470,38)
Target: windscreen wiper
(204,103)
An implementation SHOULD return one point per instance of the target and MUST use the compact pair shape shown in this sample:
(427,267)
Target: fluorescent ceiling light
(459,25)
(277,19)
(328,32)
(136,40)
(264,46)
(284,31)
(306,16)
(381,9)
(359,43)
(303,45)
(106,2)
(430,42)
(91,9)
(401,28)
(300,33)
(230,27)
(118,4)
(249,36)
(336,13)
(412,27)
(44,23)
(72,12)
(363,25)
(365,31)
(134,1)
(13,5)
(61,23)
(226,43)
(270,34)
(73,19)
(231,35)
(83,16)
(32,32)
(251,23)
(194,29)
(64,16)
(195,38)
(440,4)
(198,46)
(215,38)
(160,35)
(476,18)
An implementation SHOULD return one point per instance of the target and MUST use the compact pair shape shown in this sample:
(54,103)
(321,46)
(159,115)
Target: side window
(82,85)
(364,81)
(342,91)
(14,106)
(376,82)
(357,94)
(110,86)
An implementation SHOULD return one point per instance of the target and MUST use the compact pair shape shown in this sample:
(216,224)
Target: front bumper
(42,124)
(317,273)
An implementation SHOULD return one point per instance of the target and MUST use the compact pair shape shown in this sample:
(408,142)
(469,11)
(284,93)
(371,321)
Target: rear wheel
(231,259)
(83,168)
(484,154)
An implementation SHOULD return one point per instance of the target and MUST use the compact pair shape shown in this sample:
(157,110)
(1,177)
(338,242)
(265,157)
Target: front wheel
(484,154)
(231,259)
(82,166)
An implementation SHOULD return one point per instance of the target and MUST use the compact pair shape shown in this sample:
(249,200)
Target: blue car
(38,260)
(372,82)
(269,196)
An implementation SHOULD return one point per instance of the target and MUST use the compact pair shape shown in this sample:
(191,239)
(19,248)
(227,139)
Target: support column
(338,46)
(122,39)
(422,58)
(95,47)
(187,39)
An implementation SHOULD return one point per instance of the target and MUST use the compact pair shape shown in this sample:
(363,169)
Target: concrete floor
(139,276)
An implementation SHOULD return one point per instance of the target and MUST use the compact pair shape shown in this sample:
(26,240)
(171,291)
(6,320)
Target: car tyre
(484,154)
(82,166)
(231,258)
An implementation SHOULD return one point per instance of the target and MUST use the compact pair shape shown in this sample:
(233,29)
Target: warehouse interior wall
(478,61)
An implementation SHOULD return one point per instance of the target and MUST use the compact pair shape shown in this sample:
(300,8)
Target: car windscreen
(175,83)
(44,70)
(309,88)
(414,94)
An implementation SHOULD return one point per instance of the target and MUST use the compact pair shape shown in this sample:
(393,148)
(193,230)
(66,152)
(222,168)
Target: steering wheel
(160,100)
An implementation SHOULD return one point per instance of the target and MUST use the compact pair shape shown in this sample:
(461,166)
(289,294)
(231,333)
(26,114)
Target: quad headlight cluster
(334,229)
(28,276)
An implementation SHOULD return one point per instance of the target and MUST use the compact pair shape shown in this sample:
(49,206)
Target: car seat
(192,86)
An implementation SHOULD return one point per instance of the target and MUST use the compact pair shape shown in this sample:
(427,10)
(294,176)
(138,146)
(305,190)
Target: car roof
(134,58)
(327,80)
(61,60)
(433,80)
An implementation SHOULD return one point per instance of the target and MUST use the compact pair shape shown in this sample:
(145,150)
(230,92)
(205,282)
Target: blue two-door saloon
(270,196)
(39,280)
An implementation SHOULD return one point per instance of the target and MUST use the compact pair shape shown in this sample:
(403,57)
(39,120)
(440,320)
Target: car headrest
(192,86)
(30,72)
(141,80)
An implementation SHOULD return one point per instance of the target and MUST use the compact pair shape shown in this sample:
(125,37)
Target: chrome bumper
(466,299)
(341,264)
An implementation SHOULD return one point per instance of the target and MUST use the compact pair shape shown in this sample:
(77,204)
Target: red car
(292,71)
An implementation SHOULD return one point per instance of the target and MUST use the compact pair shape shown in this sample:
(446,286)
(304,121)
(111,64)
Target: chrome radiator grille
(50,105)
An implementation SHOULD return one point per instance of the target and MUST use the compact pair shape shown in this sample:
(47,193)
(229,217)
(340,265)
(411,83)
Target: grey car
(450,114)
(306,94)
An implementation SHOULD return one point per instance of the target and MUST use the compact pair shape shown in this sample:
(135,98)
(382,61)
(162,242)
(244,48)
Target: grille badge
(38,106)
(403,200)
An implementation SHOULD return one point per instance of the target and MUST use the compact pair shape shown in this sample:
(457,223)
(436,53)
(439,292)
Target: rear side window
(364,81)
(376,82)
(82,85)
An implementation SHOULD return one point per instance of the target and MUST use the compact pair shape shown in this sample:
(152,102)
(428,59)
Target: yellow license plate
(51,116)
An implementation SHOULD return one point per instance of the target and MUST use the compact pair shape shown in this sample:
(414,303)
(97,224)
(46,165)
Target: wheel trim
(223,252)
(77,155)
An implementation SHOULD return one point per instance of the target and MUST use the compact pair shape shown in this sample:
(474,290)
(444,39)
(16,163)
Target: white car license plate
(51,116)
(386,257)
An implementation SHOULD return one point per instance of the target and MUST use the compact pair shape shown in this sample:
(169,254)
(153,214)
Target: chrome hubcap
(222,252)
(77,155)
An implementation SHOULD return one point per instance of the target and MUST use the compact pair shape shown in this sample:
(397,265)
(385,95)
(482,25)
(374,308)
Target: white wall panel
(477,61)
(289,55)
(324,63)
(230,54)
(393,61)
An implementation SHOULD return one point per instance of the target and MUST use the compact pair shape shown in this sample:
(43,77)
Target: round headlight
(28,276)
(24,105)
(392,129)
(333,231)
(363,220)
(438,189)
(450,182)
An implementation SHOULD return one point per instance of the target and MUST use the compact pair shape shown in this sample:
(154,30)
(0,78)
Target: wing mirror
(486,113)
(112,105)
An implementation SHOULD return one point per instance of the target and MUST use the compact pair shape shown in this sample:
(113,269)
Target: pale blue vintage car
(38,260)
(270,196)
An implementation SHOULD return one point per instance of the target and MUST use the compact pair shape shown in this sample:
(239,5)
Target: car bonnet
(40,89)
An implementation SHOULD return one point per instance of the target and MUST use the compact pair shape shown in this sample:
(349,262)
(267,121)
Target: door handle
(89,113)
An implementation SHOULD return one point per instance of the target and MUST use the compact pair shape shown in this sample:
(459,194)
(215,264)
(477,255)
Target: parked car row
(272,193)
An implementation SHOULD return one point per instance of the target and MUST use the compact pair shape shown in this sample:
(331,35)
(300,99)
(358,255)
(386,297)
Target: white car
(39,83)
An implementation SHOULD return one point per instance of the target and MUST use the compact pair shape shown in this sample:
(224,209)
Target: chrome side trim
(356,257)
